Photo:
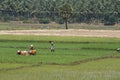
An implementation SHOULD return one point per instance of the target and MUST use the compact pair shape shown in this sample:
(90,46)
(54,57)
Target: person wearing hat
(32,50)
(31,47)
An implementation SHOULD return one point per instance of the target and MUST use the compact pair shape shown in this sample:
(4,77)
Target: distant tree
(86,11)
(66,11)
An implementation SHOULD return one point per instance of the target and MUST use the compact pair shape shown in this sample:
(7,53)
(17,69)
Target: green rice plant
(61,39)
(65,53)
(107,69)
(59,65)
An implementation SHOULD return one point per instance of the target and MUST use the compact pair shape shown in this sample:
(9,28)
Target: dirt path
(71,32)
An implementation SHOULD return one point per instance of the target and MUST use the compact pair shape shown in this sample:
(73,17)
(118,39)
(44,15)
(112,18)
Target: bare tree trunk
(66,24)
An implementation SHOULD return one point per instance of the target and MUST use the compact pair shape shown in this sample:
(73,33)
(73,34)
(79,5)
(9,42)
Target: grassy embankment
(23,26)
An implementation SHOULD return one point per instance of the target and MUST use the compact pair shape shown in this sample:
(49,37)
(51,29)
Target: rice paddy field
(75,58)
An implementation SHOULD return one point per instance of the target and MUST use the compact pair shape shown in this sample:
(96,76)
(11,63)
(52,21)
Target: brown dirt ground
(70,32)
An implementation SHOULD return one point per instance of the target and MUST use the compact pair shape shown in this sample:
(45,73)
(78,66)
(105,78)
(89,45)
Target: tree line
(45,11)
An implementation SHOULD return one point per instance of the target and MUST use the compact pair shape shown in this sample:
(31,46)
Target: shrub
(44,21)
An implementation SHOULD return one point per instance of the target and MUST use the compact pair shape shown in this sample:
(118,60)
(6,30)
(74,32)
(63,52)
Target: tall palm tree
(66,11)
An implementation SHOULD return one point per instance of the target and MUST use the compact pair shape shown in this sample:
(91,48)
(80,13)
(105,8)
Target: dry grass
(53,25)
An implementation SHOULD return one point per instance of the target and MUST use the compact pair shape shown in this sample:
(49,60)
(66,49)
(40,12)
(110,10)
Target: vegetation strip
(84,48)
(21,67)
(68,39)
(71,64)
(93,59)
(85,42)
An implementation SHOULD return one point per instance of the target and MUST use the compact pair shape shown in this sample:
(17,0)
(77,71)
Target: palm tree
(66,11)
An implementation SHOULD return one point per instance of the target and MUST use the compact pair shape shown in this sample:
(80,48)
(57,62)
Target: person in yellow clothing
(32,50)
(31,47)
